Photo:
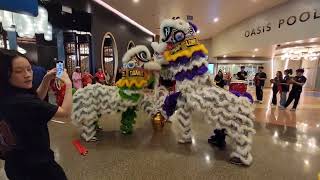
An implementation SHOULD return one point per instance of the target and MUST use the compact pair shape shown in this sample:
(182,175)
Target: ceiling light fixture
(136,1)
(313,40)
(224,56)
(25,25)
(253,56)
(216,19)
(107,6)
(301,53)
(256,49)
(21,50)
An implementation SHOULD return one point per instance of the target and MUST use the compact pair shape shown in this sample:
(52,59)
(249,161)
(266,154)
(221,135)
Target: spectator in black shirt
(219,79)
(276,87)
(296,90)
(259,80)
(27,115)
(285,87)
(242,74)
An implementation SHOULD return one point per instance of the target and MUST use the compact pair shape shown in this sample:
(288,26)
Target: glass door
(84,51)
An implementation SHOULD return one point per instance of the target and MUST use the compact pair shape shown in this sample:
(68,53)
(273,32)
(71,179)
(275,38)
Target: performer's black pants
(259,93)
(293,95)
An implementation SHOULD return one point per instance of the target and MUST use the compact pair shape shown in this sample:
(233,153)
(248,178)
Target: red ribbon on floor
(80,148)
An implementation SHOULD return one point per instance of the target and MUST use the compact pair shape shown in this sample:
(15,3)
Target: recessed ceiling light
(136,1)
(126,18)
(313,40)
(216,19)
(253,56)
(299,41)
(198,31)
(224,56)
(256,49)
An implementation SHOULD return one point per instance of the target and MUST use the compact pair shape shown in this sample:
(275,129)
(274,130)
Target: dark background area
(87,16)
(40,51)
(103,21)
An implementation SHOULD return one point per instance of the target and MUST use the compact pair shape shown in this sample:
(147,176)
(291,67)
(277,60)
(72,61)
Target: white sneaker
(260,102)
(293,109)
(185,141)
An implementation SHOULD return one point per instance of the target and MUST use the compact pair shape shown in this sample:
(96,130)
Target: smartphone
(59,68)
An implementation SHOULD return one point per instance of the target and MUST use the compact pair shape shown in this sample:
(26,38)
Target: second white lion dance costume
(182,53)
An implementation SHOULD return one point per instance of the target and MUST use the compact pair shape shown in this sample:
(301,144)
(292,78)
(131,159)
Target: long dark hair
(288,71)
(6,60)
(280,74)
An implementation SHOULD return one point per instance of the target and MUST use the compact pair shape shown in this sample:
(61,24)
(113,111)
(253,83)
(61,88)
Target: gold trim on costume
(187,52)
(129,83)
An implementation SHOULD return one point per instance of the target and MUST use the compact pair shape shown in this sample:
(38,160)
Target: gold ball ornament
(158,121)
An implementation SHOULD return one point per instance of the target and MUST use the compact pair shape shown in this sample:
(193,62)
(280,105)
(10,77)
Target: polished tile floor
(286,147)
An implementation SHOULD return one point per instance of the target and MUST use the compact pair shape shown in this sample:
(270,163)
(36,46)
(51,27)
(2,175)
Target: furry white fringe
(97,99)
(134,51)
(222,108)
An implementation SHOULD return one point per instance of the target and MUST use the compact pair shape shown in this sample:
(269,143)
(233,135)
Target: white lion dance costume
(93,101)
(182,53)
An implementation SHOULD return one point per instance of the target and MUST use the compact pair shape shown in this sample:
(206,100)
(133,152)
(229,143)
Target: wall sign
(20,6)
(289,21)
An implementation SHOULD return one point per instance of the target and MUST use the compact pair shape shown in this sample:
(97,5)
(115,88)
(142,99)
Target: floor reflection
(286,146)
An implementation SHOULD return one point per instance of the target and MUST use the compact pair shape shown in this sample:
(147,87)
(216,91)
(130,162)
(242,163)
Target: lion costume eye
(167,33)
(142,56)
(179,36)
(131,64)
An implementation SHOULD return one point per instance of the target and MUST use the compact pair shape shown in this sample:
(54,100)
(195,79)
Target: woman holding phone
(26,114)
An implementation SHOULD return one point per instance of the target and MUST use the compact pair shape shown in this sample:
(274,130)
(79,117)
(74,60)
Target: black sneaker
(218,139)
(99,128)
(236,161)
(94,139)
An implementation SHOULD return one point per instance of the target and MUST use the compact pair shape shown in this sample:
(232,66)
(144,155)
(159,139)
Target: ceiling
(150,13)
(267,52)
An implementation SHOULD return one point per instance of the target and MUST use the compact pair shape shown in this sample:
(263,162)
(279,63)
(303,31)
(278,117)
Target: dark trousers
(259,93)
(35,171)
(274,96)
(293,95)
